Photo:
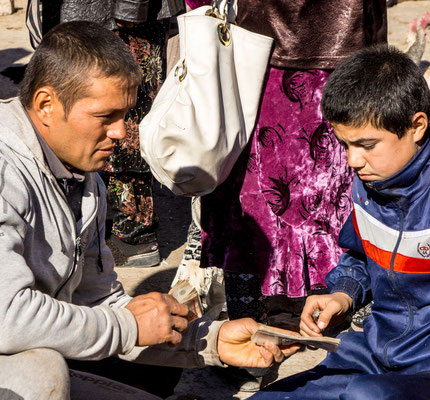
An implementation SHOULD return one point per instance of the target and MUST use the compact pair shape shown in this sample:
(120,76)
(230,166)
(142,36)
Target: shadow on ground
(174,213)
(158,282)
(9,56)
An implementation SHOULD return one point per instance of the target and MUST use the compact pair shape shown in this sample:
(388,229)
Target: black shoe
(142,255)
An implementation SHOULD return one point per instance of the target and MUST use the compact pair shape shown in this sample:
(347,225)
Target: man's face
(376,154)
(85,139)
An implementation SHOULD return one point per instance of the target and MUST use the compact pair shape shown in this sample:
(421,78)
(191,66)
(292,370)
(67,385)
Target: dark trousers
(160,381)
(352,373)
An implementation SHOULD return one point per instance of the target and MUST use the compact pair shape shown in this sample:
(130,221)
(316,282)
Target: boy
(378,104)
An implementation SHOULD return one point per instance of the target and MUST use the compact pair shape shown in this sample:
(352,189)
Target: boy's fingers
(307,323)
(305,330)
(326,315)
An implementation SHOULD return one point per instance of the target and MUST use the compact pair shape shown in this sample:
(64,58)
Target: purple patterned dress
(275,222)
(273,225)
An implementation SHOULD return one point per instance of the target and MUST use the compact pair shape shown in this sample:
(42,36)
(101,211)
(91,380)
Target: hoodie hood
(19,126)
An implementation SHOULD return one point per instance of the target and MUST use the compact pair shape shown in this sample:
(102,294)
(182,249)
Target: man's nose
(117,130)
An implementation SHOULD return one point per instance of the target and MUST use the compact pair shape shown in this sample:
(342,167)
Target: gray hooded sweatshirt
(53,292)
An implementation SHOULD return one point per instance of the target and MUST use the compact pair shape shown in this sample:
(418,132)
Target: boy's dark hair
(377,85)
(69,55)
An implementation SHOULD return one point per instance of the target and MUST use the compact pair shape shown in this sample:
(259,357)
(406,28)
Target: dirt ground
(174,212)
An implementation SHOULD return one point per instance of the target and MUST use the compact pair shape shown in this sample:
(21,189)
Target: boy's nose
(355,160)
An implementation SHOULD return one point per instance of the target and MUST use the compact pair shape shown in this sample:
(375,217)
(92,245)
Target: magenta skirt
(279,214)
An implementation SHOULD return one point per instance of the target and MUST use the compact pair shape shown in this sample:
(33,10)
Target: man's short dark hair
(378,85)
(69,55)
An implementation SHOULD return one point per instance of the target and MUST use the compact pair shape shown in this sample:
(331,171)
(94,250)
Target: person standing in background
(144,28)
(273,225)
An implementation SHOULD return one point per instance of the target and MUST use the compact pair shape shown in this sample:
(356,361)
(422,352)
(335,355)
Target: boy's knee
(36,374)
(370,387)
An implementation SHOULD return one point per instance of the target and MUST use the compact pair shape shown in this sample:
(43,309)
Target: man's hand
(160,318)
(236,348)
(333,308)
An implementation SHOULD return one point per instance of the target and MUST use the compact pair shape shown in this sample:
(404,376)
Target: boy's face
(377,154)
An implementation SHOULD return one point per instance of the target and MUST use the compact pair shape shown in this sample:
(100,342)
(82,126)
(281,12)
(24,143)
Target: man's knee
(36,374)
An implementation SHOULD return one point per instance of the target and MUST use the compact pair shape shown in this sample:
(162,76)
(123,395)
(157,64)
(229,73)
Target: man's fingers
(289,351)
(274,351)
(174,338)
(175,307)
(179,323)
(271,353)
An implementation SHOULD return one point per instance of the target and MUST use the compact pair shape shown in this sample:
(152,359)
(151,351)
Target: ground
(174,212)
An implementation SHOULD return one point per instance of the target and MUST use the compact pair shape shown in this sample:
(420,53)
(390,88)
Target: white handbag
(205,111)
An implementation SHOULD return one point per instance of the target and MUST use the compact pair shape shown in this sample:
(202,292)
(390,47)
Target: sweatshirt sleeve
(197,349)
(350,276)
(30,317)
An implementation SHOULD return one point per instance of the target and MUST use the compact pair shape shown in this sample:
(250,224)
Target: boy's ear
(419,125)
(44,103)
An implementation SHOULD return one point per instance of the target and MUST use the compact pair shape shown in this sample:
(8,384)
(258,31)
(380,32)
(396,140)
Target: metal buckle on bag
(224,34)
(182,67)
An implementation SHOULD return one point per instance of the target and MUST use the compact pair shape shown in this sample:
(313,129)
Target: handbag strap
(225,10)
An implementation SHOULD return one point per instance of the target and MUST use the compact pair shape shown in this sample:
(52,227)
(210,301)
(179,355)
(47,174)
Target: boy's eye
(369,147)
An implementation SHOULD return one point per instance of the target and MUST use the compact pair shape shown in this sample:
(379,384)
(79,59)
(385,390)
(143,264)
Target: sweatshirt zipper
(78,248)
(77,254)
(394,286)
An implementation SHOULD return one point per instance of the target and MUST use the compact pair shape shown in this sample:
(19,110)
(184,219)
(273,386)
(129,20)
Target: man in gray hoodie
(60,297)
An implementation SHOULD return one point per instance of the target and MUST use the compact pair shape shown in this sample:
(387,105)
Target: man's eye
(369,147)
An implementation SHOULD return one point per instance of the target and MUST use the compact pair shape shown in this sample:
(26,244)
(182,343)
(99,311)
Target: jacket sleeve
(131,10)
(138,11)
(350,276)
(29,317)
(197,349)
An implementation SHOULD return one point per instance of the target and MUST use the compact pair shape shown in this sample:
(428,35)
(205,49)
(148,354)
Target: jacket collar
(410,182)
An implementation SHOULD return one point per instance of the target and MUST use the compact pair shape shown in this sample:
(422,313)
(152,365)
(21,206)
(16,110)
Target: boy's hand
(236,348)
(333,308)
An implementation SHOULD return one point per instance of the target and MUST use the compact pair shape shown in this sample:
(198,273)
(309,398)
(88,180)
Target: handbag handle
(224,10)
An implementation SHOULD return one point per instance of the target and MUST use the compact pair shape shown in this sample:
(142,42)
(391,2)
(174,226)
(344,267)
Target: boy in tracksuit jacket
(378,104)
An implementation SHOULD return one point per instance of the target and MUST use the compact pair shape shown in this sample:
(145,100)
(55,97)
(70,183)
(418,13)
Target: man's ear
(44,103)
(419,125)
